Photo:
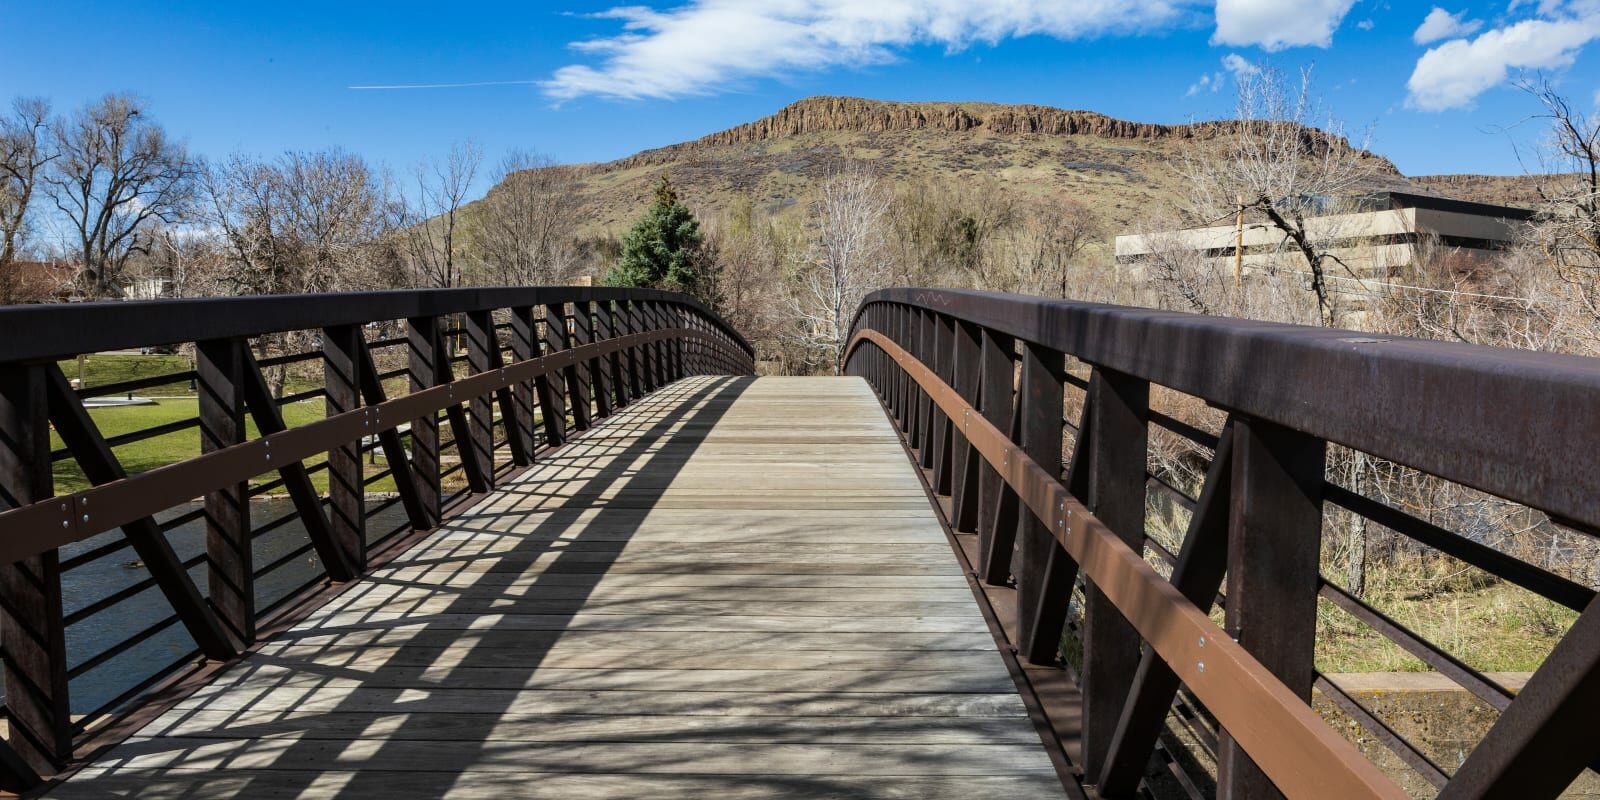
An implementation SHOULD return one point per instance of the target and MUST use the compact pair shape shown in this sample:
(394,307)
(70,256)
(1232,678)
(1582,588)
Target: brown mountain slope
(1123,169)
(1509,190)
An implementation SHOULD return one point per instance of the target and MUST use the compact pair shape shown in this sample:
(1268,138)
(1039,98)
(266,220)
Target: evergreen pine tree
(665,250)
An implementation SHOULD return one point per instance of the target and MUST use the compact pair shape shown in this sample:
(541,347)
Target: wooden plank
(726,641)
(263,674)
(382,593)
(518,727)
(644,623)
(279,784)
(441,576)
(928,759)
(561,656)
(624,703)
(456,604)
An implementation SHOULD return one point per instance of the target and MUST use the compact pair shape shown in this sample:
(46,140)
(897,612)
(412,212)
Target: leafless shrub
(431,221)
(846,259)
(522,232)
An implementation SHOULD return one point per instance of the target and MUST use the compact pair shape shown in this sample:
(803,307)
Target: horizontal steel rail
(567,357)
(44,332)
(1513,423)
(976,382)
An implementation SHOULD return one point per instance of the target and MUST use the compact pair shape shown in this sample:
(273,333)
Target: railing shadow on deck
(513,532)
(518,507)
(539,363)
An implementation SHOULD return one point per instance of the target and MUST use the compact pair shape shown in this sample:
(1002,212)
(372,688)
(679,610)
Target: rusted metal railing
(1097,609)
(539,365)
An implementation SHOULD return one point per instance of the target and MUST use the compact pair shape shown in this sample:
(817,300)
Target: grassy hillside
(1123,169)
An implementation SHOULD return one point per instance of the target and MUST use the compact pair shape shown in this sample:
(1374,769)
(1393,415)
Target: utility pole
(1238,250)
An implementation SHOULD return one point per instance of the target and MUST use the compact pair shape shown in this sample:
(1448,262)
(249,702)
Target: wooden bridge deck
(736,588)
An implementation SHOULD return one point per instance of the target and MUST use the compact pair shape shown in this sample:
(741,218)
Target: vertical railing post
(1043,569)
(1118,441)
(525,347)
(553,385)
(422,335)
(690,347)
(906,392)
(598,330)
(927,411)
(944,353)
(997,504)
(612,326)
(518,439)
(919,418)
(483,350)
(231,584)
(32,630)
(644,322)
(645,354)
(342,348)
(663,348)
(964,460)
(633,358)
(1274,543)
(580,376)
(701,350)
(669,347)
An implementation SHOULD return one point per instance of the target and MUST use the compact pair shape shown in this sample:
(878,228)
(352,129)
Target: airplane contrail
(442,85)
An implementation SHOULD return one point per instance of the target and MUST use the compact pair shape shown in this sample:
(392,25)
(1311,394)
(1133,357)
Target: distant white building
(146,288)
(1380,239)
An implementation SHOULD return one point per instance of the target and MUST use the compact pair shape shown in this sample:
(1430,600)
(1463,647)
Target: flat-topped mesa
(860,115)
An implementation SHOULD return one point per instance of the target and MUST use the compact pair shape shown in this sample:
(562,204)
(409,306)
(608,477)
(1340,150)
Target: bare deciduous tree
(432,225)
(24,152)
(1037,250)
(523,232)
(845,261)
(117,173)
(1567,232)
(306,222)
(1274,164)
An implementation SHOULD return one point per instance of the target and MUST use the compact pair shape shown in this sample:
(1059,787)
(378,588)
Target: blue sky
(592,82)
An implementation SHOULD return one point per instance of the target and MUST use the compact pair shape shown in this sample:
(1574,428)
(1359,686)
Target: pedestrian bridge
(561,542)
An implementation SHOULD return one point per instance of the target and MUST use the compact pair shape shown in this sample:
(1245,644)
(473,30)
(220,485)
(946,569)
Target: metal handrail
(975,375)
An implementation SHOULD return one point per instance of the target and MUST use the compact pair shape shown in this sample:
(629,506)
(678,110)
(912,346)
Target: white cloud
(1234,64)
(1278,24)
(1453,74)
(1209,82)
(704,45)
(1441,24)
(1239,66)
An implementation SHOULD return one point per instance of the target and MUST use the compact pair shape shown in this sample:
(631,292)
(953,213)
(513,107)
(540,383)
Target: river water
(85,584)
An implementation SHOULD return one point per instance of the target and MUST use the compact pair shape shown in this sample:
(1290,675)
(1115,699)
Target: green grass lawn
(104,369)
(176,446)
(175,403)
